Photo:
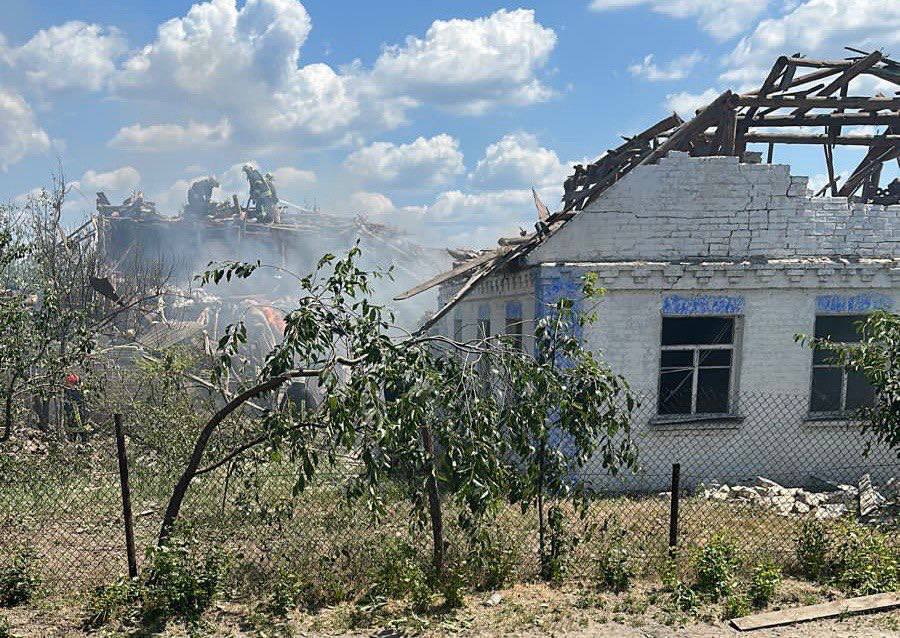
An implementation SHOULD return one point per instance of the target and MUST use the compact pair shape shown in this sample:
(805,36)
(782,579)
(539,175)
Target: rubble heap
(871,504)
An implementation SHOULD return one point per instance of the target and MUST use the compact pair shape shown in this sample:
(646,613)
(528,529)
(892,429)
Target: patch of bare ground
(532,610)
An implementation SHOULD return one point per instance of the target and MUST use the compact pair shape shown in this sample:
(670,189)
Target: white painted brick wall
(714,207)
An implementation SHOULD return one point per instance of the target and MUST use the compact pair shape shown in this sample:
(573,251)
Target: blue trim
(853,304)
(699,305)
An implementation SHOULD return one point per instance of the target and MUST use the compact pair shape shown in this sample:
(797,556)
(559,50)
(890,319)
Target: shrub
(862,562)
(765,580)
(736,605)
(311,587)
(490,563)
(716,566)
(613,564)
(812,549)
(180,583)
(855,558)
(397,572)
(18,582)
(4,628)
(119,601)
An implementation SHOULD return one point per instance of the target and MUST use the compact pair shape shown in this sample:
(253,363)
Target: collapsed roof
(791,100)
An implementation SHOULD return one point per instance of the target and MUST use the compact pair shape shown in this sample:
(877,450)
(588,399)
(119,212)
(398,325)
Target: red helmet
(72,379)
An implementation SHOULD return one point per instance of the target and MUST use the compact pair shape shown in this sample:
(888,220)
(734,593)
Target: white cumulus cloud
(422,162)
(677,69)
(73,55)
(20,133)
(171,137)
(125,178)
(686,103)
(817,29)
(722,19)
(470,66)
(371,203)
(517,161)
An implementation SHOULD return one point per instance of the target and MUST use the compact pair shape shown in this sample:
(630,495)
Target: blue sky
(438,116)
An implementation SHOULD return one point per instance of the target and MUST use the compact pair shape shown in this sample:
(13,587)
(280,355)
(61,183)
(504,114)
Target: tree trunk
(542,525)
(173,508)
(434,501)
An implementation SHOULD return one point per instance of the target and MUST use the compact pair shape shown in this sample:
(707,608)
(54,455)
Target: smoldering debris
(260,227)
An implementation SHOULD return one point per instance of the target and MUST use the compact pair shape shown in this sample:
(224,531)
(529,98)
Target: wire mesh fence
(756,473)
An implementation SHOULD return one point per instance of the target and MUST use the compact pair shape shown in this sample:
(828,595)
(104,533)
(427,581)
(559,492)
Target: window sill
(696,422)
(844,418)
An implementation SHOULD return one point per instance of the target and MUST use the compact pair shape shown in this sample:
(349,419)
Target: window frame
(842,412)
(696,349)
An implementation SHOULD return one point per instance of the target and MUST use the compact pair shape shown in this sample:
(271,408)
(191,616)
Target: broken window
(834,388)
(457,326)
(695,365)
(514,323)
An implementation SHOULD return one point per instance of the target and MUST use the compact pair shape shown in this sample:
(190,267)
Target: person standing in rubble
(263,205)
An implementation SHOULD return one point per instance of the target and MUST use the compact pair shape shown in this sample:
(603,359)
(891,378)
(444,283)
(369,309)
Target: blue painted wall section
(554,283)
(699,305)
(852,304)
(513,309)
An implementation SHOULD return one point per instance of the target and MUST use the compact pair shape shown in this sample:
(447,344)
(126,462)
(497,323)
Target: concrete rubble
(870,504)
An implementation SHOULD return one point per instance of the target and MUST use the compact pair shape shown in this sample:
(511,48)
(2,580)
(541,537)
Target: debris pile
(835,500)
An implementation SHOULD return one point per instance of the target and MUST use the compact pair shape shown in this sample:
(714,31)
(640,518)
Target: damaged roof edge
(723,127)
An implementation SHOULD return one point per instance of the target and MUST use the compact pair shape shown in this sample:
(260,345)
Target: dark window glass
(458,328)
(838,328)
(835,389)
(712,390)
(677,358)
(860,393)
(485,326)
(715,358)
(693,331)
(676,389)
(826,390)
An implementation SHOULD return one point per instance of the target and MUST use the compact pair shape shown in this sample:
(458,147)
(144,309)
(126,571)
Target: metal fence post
(126,497)
(673,509)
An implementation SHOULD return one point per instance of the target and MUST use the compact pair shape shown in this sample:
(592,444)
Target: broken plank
(875,602)
(451,274)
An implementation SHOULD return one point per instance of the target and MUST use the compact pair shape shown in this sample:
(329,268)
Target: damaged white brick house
(712,263)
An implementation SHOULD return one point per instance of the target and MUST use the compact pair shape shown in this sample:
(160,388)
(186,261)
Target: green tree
(410,407)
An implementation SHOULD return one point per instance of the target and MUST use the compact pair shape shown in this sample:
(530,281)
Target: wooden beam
(841,140)
(846,75)
(768,84)
(854,102)
(687,131)
(875,602)
(459,271)
(809,77)
(823,119)
(829,163)
(728,131)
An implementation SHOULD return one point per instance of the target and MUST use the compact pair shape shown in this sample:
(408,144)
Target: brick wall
(714,207)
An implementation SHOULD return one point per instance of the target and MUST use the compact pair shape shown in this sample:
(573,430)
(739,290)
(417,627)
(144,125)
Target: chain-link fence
(756,474)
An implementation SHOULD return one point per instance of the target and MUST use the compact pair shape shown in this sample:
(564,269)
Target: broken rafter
(846,75)
(854,102)
(845,140)
(687,131)
(822,119)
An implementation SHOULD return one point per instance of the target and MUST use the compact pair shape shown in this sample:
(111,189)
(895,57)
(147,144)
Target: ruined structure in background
(264,229)
(713,261)
(134,206)
(789,100)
